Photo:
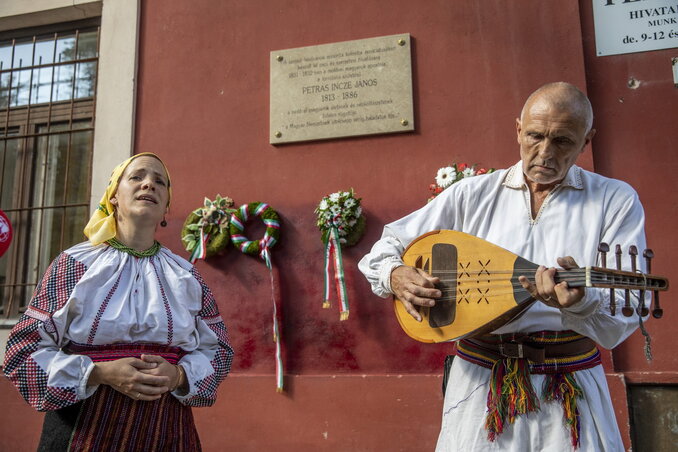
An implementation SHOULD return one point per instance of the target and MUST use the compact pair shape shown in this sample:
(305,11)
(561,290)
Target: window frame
(116,81)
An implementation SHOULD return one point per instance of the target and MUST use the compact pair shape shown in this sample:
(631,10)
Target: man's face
(550,141)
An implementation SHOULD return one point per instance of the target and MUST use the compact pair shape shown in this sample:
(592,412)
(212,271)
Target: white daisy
(323,204)
(334,197)
(350,202)
(446,176)
(335,210)
(468,172)
(358,211)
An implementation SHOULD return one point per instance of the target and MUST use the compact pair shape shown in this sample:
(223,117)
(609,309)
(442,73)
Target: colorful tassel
(563,387)
(511,394)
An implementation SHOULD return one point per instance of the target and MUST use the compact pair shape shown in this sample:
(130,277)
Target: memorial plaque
(342,89)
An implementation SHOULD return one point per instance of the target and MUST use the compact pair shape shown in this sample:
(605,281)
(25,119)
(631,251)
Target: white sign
(627,26)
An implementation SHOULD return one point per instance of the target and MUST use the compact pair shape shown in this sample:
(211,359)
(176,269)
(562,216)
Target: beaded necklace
(152,251)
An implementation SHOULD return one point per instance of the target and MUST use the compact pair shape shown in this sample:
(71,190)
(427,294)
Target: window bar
(93,121)
(30,90)
(49,65)
(20,228)
(55,132)
(4,145)
(9,89)
(70,140)
(12,257)
(34,136)
(23,221)
(30,273)
(51,86)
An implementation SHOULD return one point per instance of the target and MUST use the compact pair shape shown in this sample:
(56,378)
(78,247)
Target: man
(542,208)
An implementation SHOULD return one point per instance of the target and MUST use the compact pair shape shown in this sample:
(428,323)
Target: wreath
(341,222)
(239,219)
(341,210)
(211,223)
(261,247)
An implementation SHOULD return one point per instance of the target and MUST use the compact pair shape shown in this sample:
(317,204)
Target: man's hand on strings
(414,287)
(545,289)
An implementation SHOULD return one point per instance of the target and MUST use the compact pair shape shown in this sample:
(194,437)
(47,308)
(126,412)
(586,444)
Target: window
(48,80)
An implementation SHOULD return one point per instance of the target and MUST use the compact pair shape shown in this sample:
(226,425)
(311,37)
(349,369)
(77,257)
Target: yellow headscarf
(101,225)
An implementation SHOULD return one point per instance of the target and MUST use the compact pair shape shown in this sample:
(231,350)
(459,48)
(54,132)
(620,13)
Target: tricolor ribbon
(265,244)
(333,254)
(200,250)
(276,336)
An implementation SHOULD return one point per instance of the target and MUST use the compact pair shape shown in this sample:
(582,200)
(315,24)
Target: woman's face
(143,191)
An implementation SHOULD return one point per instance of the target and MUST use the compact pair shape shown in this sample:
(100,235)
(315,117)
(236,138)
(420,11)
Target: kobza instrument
(481,291)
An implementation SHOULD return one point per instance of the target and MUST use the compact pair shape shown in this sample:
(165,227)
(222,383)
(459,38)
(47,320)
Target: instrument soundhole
(444,266)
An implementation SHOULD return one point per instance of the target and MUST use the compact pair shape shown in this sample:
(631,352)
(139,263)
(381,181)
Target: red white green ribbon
(200,250)
(333,254)
(264,245)
(279,372)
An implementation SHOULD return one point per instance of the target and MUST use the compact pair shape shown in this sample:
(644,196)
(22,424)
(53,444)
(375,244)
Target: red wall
(203,106)
(203,99)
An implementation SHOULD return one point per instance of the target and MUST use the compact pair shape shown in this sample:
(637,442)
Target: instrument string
(488,288)
(635,282)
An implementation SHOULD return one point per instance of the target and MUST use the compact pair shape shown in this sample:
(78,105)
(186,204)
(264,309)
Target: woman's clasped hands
(147,378)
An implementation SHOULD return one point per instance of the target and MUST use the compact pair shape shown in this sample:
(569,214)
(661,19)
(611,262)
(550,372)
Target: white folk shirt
(97,295)
(578,214)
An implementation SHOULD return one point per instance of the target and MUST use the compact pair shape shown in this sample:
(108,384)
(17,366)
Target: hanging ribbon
(200,250)
(333,254)
(262,248)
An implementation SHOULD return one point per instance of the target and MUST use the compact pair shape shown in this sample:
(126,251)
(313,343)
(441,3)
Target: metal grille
(47,103)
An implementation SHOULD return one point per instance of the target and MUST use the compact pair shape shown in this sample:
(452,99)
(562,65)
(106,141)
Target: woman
(122,336)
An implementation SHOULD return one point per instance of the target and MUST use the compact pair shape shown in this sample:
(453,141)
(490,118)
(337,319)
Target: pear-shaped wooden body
(479,282)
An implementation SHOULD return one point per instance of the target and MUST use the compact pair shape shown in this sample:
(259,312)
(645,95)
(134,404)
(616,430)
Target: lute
(481,291)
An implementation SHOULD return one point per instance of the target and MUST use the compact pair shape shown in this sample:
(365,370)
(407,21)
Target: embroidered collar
(516,179)
(152,251)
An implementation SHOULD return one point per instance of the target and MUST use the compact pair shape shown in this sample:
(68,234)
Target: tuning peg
(603,249)
(657,311)
(627,310)
(642,310)
(633,252)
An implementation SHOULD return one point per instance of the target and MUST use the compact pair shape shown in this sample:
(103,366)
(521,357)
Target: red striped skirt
(111,421)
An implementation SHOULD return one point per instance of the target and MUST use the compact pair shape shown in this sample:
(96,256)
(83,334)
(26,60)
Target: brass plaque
(342,89)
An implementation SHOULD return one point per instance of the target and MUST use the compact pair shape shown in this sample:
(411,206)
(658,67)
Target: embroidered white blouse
(99,296)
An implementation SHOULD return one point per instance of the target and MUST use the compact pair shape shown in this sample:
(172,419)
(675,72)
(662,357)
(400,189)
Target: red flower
(432,187)
(438,190)
(462,166)
(481,171)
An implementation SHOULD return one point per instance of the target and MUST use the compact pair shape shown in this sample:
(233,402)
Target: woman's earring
(163,223)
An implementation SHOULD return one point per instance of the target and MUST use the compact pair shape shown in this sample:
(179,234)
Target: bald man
(551,212)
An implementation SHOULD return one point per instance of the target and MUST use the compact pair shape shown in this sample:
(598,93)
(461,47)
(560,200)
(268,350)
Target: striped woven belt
(546,351)
(111,352)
